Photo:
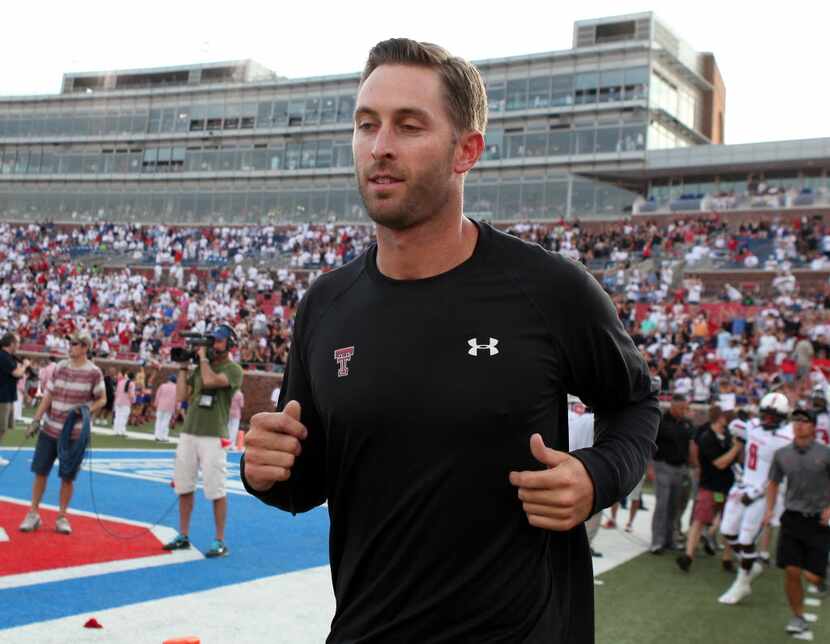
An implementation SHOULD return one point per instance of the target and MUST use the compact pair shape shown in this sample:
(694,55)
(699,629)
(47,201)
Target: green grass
(650,601)
(16,437)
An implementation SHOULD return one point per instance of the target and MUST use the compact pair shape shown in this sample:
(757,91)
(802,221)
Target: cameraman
(208,390)
(11,371)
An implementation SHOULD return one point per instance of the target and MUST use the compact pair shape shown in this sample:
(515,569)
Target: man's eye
(365,126)
(409,127)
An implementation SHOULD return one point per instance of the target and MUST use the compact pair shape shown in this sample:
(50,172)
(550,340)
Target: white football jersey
(823,428)
(761,445)
(580,430)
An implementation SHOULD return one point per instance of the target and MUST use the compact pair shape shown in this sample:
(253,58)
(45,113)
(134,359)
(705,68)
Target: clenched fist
(272,444)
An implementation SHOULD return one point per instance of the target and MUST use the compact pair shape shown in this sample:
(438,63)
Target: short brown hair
(463,87)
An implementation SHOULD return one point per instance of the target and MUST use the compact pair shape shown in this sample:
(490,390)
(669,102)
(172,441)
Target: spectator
(234,417)
(165,404)
(11,372)
(124,398)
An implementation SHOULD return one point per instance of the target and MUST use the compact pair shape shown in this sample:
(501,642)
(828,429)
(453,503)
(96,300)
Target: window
(584,141)
(608,140)
(295,113)
(636,83)
(168,119)
(182,119)
(312,111)
(328,112)
(536,144)
(197,118)
(539,92)
(562,88)
(560,142)
(611,86)
(280,117)
(517,94)
(149,162)
(495,96)
(515,143)
(345,109)
(263,115)
(324,153)
(582,198)
(493,145)
(586,88)
(155,122)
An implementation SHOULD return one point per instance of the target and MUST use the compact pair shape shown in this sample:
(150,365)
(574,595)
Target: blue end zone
(263,541)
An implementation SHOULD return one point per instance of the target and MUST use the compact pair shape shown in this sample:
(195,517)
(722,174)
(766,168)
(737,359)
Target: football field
(275,585)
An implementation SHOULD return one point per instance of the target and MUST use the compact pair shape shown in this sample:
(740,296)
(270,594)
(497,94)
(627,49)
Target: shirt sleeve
(708,448)
(776,471)
(603,368)
(306,488)
(7,365)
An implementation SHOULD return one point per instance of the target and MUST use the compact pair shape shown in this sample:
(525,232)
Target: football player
(744,512)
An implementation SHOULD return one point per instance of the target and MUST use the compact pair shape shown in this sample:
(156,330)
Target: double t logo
(342,356)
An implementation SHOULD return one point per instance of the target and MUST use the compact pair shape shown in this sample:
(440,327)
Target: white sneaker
(739,591)
(62,525)
(31,522)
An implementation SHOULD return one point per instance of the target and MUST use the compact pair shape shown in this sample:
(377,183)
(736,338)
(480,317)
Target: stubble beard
(425,195)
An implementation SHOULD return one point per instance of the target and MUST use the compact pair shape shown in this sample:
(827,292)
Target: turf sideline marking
(162,533)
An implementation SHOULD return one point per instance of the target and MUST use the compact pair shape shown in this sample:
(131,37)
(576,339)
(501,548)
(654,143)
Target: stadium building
(630,120)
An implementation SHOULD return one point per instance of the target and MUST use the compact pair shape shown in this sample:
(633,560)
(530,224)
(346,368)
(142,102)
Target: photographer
(11,371)
(208,389)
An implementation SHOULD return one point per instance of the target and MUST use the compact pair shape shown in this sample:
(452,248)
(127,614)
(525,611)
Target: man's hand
(33,428)
(271,446)
(746,499)
(201,351)
(767,517)
(559,497)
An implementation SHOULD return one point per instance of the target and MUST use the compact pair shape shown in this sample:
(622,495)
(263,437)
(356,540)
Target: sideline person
(425,397)
(804,540)
(11,372)
(75,383)
(208,390)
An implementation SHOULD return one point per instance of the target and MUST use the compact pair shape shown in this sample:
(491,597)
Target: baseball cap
(222,332)
(83,338)
(804,415)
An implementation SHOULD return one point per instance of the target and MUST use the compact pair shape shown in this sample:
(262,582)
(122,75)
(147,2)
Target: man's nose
(383,145)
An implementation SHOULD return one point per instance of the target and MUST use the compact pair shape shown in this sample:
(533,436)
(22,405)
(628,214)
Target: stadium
(139,205)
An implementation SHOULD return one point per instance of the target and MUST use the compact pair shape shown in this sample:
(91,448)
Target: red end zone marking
(45,549)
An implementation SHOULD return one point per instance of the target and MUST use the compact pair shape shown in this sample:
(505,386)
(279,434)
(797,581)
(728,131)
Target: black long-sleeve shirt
(411,441)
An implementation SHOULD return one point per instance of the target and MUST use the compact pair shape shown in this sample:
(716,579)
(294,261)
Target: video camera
(193,341)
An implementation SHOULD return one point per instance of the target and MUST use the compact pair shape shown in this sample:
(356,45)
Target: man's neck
(803,443)
(77,363)
(426,250)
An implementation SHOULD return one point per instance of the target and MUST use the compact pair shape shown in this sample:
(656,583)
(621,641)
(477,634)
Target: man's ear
(469,149)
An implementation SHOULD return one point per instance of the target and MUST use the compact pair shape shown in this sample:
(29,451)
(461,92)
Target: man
(76,382)
(235,417)
(165,404)
(744,511)
(716,453)
(822,418)
(427,379)
(10,374)
(670,469)
(804,540)
(208,391)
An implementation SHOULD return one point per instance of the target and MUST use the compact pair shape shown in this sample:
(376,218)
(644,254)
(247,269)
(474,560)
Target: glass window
(533,200)
(197,118)
(345,109)
(582,198)
(34,161)
(494,144)
(260,159)
(559,142)
(328,112)
(556,199)
(608,140)
(633,138)
(515,144)
(495,96)
(488,200)
(309,154)
(276,158)
(562,90)
(536,144)
(510,198)
(636,83)
(48,163)
(324,153)
(539,92)
(292,155)
(246,160)
(168,119)
(611,85)
(121,162)
(280,115)
(517,94)
(263,115)
(149,162)
(182,119)
(155,122)
(214,115)
(295,113)
(342,155)
(584,141)
(138,123)
(312,111)
(210,159)
(586,88)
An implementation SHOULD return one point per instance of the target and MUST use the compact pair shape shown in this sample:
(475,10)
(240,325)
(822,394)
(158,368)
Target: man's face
(803,429)
(404,146)
(77,349)
(219,346)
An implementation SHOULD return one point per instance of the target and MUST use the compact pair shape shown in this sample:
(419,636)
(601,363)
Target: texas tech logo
(342,356)
(475,347)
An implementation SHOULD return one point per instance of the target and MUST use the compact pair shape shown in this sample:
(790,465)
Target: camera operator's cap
(805,415)
(222,332)
(83,338)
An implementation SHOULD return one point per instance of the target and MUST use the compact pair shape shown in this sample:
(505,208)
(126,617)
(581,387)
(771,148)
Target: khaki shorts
(6,417)
(201,452)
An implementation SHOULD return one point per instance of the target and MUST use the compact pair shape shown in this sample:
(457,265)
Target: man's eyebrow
(403,111)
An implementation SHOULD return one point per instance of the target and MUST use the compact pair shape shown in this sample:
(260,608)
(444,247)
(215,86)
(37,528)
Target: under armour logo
(475,346)
(343,356)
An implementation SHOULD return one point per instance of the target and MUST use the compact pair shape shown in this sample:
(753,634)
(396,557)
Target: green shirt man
(208,409)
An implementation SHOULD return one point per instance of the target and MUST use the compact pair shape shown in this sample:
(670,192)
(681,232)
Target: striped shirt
(70,387)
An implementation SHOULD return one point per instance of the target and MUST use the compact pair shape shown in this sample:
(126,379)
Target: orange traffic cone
(192,639)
